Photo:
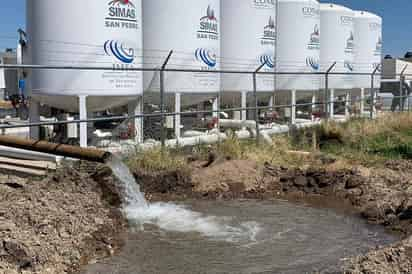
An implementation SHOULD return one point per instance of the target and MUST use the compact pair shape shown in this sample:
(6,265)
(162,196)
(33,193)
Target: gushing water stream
(172,217)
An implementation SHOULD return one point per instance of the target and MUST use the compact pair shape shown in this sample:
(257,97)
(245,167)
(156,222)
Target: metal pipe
(327,88)
(162,95)
(373,103)
(256,100)
(88,154)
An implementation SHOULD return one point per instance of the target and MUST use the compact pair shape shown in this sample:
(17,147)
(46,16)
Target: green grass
(369,142)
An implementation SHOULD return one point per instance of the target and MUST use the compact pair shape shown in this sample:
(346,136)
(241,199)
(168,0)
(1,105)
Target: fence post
(401,84)
(162,95)
(327,99)
(256,101)
(373,95)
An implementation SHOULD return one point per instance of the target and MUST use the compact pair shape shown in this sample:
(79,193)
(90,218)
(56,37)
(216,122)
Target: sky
(397,21)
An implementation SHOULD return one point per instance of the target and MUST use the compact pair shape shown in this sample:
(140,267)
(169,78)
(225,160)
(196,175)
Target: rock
(371,212)
(17,253)
(6,225)
(406,210)
(355,192)
(353,182)
(300,181)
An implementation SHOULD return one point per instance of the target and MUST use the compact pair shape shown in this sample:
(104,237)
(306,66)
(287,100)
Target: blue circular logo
(268,60)
(116,49)
(312,63)
(206,56)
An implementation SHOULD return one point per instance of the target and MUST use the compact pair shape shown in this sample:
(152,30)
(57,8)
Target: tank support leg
(178,109)
(293,108)
(347,104)
(332,104)
(313,106)
(34,117)
(362,101)
(244,105)
(83,116)
(136,108)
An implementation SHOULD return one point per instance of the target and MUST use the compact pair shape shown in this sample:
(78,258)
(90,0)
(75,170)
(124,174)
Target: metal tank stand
(332,103)
(347,104)
(178,109)
(362,101)
(244,105)
(83,116)
(293,108)
(313,105)
(135,108)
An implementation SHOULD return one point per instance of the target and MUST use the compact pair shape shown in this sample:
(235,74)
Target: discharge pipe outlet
(87,154)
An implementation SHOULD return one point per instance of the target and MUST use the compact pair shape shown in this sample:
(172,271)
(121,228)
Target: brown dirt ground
(57,224)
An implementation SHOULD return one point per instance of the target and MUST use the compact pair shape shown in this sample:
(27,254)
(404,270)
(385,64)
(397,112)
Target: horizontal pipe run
(88,154)
(158,114)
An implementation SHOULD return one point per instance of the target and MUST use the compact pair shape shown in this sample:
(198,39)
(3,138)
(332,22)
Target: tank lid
(366,14)
(334,7)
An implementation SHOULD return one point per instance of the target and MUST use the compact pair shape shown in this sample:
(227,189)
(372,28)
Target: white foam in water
(178,218)
(172,217)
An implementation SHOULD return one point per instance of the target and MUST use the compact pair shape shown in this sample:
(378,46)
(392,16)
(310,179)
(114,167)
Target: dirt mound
(235,177)
(56,224)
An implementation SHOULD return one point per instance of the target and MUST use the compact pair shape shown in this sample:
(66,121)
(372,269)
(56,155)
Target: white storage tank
(91,33)
(298,46)
(248,40)
(368,46)
(192,30)
(337,42)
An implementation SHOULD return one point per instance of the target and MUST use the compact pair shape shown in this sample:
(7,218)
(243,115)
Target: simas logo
(311,12)
(206,56)
(349,66)
(350,43)
(121,15)
(269,33)
(209,28)
(379,45)
(313,63)
(264,4)
(314,41)
(268,60)
(119,51)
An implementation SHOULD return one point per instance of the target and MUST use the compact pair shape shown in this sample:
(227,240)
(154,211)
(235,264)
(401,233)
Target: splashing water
(130,189)
(172,217)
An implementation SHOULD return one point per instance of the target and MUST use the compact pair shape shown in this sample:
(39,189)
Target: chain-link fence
(168,112)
